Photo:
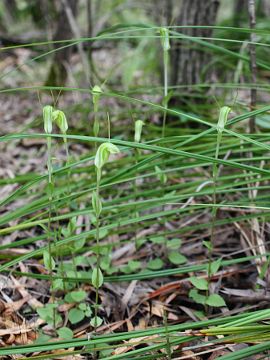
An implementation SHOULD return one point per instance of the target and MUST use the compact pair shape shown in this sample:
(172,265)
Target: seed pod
(165,38)
(48,118)
(103,153)
(138,130)
(223,117)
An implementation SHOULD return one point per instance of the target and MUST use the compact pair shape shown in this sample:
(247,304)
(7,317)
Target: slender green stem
(50,192)
(97,250)
(214,214)
(214,200)
(137,154)
(165,99)
(67,164)
(69,193)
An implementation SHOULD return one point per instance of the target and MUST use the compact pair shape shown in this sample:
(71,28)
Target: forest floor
(125,306)
(151,247)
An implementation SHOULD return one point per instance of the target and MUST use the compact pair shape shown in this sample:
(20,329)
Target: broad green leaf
(103,233)
(97,278)
(65,333)
(88,311)
(42,338)
(199,283)
(78,296)
(198,298)
(68,298)
(158,239)
(105,263)
(49,314)
(49,262)
(75,315)
(82,306)
(112,270)
(214,266)
(174,244)
(81,260)
(73,273)
(155,264)
(57,284)
(176,258)
(105,250)
(43,313)
(215,300)
(134,265)
(78,244)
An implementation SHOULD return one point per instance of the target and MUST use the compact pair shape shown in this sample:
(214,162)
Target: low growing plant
(202,284)
(101,158)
